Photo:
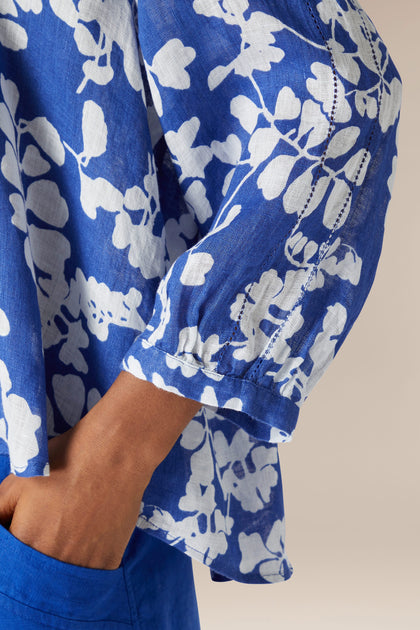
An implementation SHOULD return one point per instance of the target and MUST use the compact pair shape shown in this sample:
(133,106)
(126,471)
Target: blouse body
(193,191)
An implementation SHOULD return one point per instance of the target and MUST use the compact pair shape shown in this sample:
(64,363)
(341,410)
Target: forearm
(86,510)
(135,424)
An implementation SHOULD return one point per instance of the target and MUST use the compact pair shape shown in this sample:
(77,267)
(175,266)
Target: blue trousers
(152,589)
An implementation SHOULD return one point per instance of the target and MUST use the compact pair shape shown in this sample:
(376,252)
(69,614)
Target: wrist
(135,424)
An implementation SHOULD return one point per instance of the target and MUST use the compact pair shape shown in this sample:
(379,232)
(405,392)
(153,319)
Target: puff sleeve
(284,146)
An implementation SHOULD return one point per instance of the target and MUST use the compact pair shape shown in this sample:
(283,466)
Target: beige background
(351,473)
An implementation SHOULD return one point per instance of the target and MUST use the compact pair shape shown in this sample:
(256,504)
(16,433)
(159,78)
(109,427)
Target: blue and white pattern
(193,191)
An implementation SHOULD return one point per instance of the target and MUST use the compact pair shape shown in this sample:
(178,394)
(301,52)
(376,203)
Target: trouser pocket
(47,592)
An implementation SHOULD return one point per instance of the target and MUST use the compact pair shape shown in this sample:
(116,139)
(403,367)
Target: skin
(85,512)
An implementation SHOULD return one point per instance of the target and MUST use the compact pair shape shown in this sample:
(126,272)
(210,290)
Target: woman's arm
(86,510)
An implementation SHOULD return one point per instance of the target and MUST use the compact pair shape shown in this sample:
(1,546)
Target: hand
(83,513)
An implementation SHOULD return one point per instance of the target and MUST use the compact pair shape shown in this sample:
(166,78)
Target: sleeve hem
(163,531)
(258,410)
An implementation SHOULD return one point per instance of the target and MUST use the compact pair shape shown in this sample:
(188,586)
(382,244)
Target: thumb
(10,490)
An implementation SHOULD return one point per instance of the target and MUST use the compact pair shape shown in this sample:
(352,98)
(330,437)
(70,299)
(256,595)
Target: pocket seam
(53,616)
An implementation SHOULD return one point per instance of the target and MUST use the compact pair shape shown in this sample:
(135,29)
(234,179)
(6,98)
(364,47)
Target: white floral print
(194,192)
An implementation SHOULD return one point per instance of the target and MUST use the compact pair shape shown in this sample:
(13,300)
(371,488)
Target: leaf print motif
(44,199)
(100,13)
(4,324)
(292,378)
(10,95)
(257,52)
(205,546)
(19,216)
(288,106)
(366,104)
(207,529)
(177,232)
(46,136)
(30,5)
(6,124)
(191,160)
(46,250)
(193,435)
(70,396)
(169,64)
(335,205)
(197,266)
(266,342)
(268,557)
(323,350)
(300,250)
(248,473)
(87,44)
(324,87)
(228,151)
(8,7)
(33,164)
(73,341)
(94,131)
(100,193)
(346,65)
(356,27)
(18,420)
(314,122)
(391,103)
(262,143)
(362,31)
(66,11)
(272,181)
(268,287)
(50,249)
(12,35)
(246,111)
(356,167)
(103,307)
(304,186)
(197,202)
(10,167)
(139,238)
(348,267)
(342,141)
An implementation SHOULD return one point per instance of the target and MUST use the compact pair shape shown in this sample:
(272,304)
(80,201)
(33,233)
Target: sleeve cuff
(262,413)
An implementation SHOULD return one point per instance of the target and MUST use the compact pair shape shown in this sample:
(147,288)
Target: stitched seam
(51,614)
(253,373)
(173,544)
(325,246)
(257,386)
(303,211)
(131,600)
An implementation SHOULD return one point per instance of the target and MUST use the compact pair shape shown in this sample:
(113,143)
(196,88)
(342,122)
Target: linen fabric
(153,588)
(193,191)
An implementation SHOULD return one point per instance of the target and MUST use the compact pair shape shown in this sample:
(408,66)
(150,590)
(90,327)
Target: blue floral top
(193,191)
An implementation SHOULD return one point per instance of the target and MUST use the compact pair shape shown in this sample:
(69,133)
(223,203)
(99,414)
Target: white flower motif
(198,264)
(268,556)
(250,472)
(169,64)
(103,307)
(191,160)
